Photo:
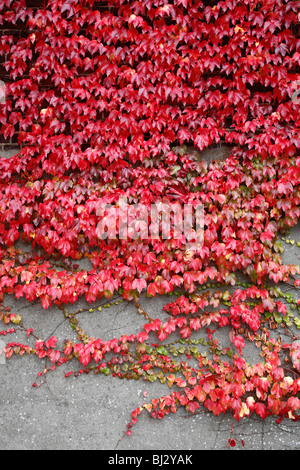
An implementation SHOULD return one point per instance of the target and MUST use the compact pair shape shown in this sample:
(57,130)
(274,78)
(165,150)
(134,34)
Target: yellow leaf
(16,319)
(244,410)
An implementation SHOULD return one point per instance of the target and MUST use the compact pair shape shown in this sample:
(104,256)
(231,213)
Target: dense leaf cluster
(106,102)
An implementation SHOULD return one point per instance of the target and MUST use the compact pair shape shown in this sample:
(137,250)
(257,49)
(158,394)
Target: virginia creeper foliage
(103,102)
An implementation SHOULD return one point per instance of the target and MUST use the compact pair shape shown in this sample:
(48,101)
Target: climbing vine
(106,101)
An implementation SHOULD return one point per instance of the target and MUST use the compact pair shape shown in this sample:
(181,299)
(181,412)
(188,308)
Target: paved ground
(91,412)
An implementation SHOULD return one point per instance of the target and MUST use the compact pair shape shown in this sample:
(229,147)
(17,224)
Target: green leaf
(297,323)
(162,350)
(174,169)
(152,378)
(278,318)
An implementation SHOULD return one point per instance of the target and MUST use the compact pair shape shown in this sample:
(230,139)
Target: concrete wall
(8,152)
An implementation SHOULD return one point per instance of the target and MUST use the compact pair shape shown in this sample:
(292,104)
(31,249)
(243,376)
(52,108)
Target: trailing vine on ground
(105,105)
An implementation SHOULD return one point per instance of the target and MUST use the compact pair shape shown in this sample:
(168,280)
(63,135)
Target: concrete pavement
(91,412)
